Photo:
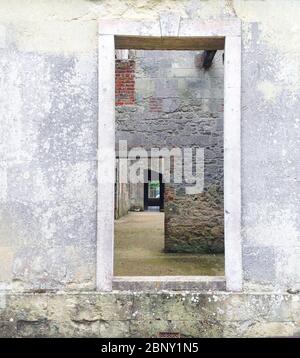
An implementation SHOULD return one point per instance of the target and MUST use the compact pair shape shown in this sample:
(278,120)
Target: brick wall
(125,82)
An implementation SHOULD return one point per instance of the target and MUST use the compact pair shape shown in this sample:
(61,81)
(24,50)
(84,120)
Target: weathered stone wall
(145,314)
(48,131)
(194,223)
(48,152)
(178,104)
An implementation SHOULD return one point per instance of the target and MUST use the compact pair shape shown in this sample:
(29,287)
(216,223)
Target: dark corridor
(154,189)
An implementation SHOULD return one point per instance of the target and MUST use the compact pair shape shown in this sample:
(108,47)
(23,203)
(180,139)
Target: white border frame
(231,31)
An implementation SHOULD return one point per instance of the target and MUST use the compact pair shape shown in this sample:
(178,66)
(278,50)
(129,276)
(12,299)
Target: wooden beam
(169,43)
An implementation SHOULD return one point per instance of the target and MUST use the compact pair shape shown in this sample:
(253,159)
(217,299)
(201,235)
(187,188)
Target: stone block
(24,307)
(115,329)
(259,264)
(149,328)
(33,329)
(271,329)
(53,114)
(42,268)
(287,267)
(67,223)
(115,308)
(6,254)
(8,329)
(52,181)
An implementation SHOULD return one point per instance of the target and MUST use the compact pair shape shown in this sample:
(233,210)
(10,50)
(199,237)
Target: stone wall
(179,104)
(136,196)
(145,314)
(48,167)
(194,223)
(49,114)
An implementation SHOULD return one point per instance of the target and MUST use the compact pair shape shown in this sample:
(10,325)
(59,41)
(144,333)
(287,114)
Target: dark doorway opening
(154,190)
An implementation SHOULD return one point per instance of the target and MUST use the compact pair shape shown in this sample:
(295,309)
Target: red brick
(125,82)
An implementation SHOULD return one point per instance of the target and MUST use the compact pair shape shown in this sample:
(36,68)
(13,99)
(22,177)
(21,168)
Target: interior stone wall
(179,104)
(194,223)
(136,196)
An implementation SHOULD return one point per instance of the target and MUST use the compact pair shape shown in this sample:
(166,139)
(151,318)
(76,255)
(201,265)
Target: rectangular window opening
(171,103)
(180,96)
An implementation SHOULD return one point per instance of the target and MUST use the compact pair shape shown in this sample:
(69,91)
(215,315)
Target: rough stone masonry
(48,187)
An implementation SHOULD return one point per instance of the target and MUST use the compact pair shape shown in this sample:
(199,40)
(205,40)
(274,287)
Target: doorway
(154,190)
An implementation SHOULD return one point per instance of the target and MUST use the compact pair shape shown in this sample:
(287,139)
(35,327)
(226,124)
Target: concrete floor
(139,243)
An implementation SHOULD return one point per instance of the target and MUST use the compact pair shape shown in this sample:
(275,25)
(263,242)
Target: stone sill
(169,283)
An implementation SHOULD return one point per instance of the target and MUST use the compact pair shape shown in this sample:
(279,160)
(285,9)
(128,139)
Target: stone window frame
(169,33)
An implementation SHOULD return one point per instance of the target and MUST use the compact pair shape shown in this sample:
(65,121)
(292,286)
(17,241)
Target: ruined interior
(166,100)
